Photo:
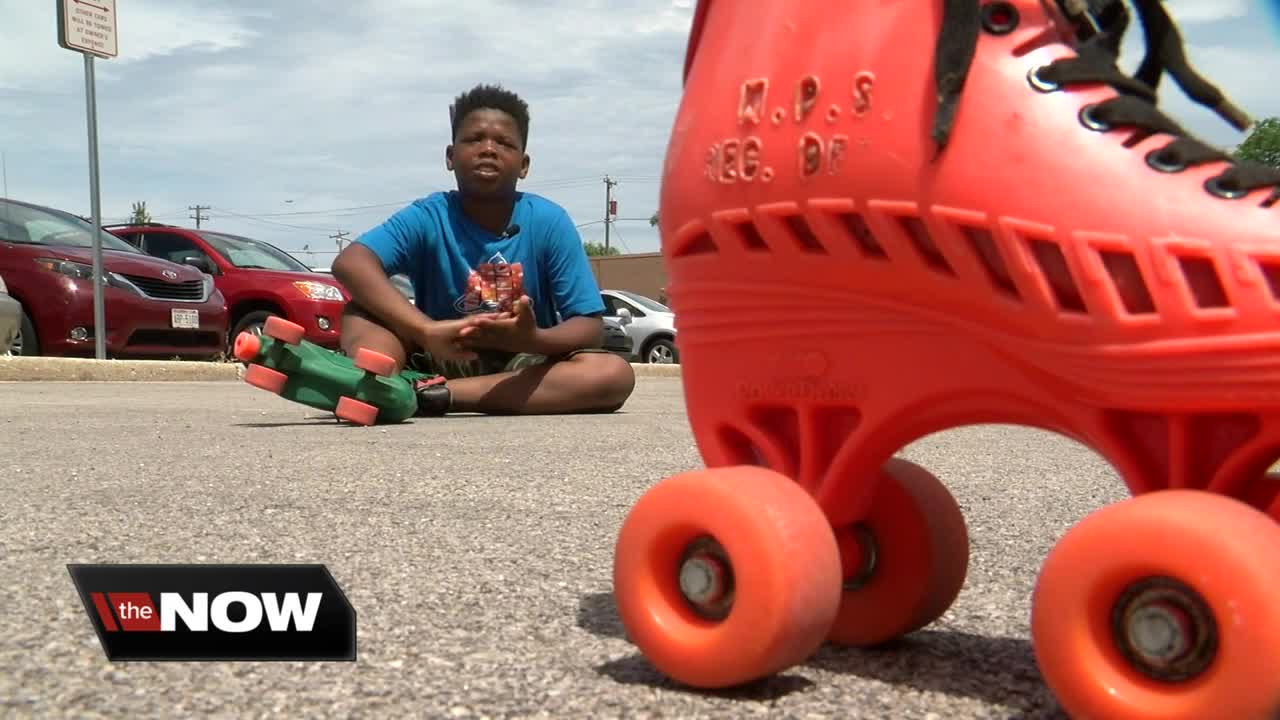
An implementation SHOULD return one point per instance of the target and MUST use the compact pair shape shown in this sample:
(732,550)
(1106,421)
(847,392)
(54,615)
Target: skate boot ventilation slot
(925,245)
(843,228)
(983,244)
(1271,271)
(751,238)
(861,234)
(804,237)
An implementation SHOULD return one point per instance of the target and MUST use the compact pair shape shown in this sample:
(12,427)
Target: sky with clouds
(295,120)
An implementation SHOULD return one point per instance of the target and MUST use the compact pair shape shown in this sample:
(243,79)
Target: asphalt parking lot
(476,551)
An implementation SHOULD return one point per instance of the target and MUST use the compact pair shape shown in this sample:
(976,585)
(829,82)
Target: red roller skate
(948,212)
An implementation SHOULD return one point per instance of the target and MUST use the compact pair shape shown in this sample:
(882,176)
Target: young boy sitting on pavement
(544,354)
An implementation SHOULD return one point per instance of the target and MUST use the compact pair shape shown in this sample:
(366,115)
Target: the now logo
(135,612)
(223,612)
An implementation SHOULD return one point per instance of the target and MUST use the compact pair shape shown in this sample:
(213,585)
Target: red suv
(153,308)
(258,279)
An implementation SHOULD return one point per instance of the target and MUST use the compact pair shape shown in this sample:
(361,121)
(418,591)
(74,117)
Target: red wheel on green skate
(355,411)
(905,563)
(374,362)
(1163,606)
(246,346)
(289,333)
(273,381)
(726,575)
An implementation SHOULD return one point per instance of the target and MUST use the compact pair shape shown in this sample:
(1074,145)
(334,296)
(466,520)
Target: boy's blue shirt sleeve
(400,242)
(573,286)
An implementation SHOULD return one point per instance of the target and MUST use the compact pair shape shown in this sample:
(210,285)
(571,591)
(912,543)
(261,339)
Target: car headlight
(318,290)
(83,271)
(76,270)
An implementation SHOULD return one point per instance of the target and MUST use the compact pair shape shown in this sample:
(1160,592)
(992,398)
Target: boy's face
(487,157)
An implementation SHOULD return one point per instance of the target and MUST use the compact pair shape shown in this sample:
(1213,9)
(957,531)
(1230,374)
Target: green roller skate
(365,389)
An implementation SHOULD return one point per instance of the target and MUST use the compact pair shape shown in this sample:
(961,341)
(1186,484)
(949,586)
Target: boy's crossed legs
(583,381)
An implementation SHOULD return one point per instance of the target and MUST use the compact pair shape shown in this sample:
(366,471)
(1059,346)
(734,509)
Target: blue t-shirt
(439,248)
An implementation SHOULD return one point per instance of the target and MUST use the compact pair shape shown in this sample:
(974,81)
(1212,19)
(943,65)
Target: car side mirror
(624,316)
(201,263)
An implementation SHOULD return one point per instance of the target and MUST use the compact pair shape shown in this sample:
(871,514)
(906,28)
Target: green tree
(595,249)
(653,221)
(1263,144)
(140,215)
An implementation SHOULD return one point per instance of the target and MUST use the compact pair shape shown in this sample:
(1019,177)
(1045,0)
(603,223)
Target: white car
(651,325)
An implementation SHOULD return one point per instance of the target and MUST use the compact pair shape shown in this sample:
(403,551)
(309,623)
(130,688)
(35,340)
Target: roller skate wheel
(273,381)
(247,346)
(1163,607)
(727,575)
(355,411)
(905,563)
(289,333)
(374,362)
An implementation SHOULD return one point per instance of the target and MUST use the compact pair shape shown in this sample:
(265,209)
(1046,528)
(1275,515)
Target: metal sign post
(89,27)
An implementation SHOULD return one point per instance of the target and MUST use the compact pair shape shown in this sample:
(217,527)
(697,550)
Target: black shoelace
(1102,25)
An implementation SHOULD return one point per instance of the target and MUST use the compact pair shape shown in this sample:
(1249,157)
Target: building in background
(641,273)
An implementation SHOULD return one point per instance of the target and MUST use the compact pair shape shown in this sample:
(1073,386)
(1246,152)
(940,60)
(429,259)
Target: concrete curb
(54,369)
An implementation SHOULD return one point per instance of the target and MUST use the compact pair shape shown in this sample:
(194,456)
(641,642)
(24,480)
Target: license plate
(185,319)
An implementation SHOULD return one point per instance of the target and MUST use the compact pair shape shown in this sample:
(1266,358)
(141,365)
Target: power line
(197,217)
(614,221)
(622,242)
(253,218)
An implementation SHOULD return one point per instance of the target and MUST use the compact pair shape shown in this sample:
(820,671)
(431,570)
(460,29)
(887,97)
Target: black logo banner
(217,612)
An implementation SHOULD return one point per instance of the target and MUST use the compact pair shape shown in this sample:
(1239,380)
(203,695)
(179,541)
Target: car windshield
(644,302)
(34,226)
(254,254)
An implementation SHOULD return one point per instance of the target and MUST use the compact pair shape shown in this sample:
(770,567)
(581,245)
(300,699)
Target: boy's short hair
(491,97)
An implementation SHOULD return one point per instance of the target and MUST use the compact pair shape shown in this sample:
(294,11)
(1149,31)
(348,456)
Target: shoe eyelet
(1089,121)
(1159,161)
(1040,84)
(999,18)
(1217,188)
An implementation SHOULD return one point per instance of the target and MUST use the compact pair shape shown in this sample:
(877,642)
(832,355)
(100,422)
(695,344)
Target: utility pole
(198,217)
(340,236)
(608,207)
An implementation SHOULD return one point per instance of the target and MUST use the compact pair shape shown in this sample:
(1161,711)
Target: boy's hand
(443,339)
(515,331)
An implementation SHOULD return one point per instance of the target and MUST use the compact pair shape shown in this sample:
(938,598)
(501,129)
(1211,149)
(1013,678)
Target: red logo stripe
(104,612)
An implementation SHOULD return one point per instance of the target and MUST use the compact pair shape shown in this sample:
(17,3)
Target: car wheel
(251,323)
(662,352)
(25,344)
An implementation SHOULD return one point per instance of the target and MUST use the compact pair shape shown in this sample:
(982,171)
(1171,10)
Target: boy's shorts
(488,363)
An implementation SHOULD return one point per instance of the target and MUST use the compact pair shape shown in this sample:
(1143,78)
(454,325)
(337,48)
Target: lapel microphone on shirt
(509,232)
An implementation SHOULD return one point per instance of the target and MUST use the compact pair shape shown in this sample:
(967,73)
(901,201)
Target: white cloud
(1205,11)
(146,29)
